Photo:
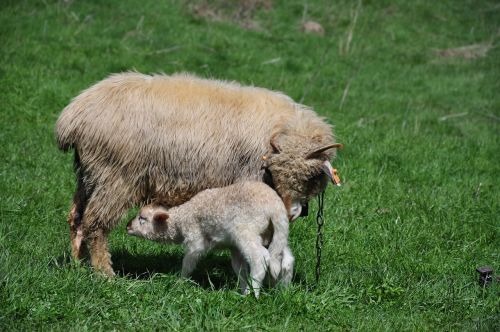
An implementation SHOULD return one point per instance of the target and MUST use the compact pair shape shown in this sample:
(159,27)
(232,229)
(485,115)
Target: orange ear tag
(336,177)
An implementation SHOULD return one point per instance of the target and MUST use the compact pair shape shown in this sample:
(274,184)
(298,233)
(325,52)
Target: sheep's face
(150,223)
(300,172)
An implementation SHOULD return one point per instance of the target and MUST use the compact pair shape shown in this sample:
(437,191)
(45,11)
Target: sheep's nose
(295,211)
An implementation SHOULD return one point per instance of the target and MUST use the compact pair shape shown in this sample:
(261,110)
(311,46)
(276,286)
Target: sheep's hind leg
(102,213)
(75,221)
(100,258)
(75,233)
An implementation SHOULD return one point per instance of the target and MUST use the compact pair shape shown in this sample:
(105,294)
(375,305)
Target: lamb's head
(151,223)
(300,168)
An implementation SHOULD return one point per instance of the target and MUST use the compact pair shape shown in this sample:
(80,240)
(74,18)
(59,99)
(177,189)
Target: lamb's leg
(194,251)
(258,258)
(287,266)
(240,268)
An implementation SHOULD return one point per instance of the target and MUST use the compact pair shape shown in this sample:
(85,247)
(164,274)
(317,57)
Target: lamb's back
(250,199)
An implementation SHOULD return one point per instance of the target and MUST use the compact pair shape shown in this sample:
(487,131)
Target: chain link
(319,234)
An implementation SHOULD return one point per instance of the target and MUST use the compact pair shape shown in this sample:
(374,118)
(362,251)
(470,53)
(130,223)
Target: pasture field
(413,90)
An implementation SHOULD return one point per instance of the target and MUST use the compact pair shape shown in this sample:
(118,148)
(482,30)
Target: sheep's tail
(75,118)
(279,242)
(64,130)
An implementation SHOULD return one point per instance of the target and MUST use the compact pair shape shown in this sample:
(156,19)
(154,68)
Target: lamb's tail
(279,242)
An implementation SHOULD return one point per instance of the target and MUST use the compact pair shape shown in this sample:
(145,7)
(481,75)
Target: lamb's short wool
(245,217)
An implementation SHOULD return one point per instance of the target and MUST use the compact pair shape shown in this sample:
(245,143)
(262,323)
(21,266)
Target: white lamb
(245,217)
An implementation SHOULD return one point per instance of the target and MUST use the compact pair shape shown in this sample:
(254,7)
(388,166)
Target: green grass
(418,212)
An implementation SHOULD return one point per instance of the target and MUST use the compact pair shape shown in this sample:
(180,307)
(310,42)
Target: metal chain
(319,234)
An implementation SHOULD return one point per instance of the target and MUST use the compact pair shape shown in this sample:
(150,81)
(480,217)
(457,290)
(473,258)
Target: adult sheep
(140,139)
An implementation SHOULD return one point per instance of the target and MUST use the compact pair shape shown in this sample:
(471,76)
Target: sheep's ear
(274,144)
(331,172)
(315,153)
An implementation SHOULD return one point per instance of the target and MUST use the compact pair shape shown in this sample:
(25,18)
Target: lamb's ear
(160,221)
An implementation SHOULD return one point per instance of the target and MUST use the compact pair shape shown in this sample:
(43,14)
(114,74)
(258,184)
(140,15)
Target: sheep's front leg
(194,251)
(240,268)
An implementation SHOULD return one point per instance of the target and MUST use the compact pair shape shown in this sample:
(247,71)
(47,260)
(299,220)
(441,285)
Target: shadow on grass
(213,272)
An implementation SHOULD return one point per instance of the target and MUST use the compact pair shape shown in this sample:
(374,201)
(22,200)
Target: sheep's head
(300,167)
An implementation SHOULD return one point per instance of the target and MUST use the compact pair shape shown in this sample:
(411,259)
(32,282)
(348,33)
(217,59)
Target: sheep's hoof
(102,264)
(105,272)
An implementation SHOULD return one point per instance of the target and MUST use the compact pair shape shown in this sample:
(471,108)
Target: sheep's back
(176,130)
